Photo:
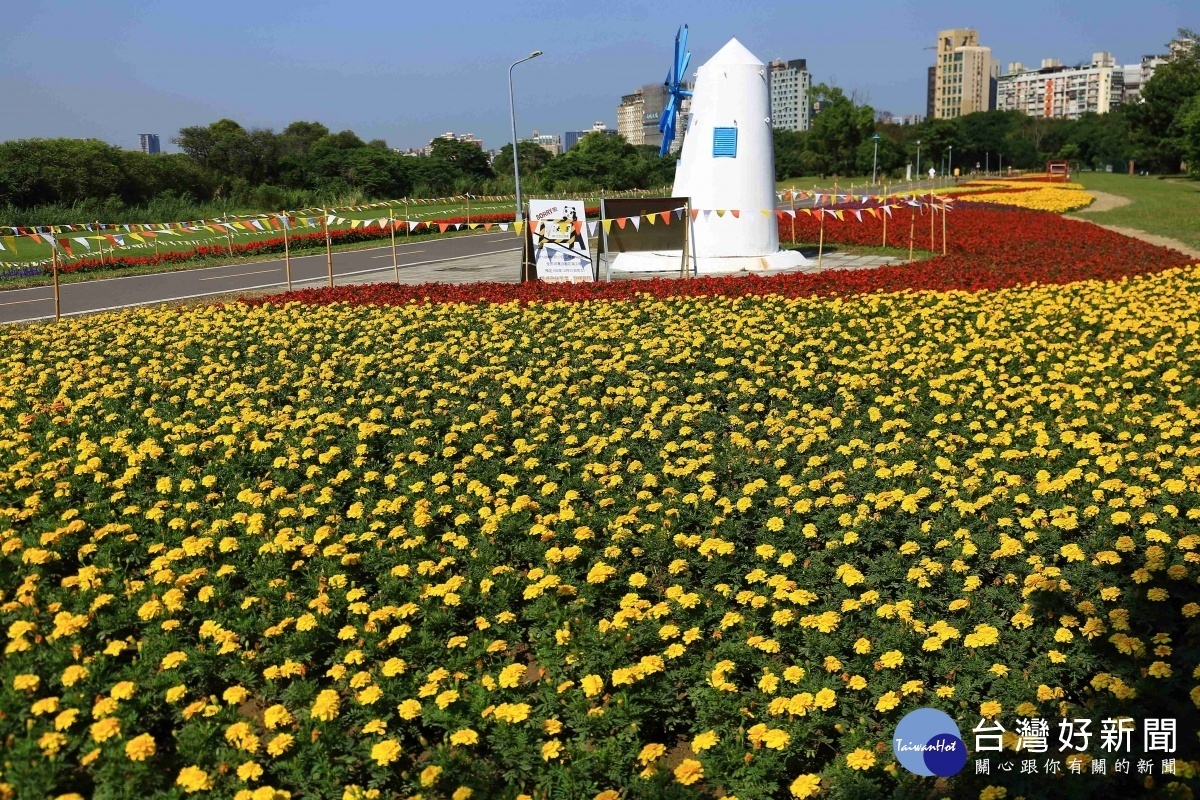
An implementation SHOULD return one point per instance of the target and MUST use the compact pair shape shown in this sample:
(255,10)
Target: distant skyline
(406,74)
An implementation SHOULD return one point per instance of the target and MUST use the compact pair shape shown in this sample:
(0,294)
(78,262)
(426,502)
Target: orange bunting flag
(736,214)
(442,226)
(621,222)
(65,244)
(666,217)
(695,213)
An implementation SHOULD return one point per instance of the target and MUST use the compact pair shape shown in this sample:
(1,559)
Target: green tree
(532,158)
(840,127)
(789,145)
(598,161)
(1189,128)
(1156,119)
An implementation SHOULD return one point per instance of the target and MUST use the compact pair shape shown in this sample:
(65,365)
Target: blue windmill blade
(674,83)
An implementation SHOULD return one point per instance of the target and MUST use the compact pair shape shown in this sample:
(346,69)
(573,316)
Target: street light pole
(513,109)
(918,159)
(950,161)
(875,161)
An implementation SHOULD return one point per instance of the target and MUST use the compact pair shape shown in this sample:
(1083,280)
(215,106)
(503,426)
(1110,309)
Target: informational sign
(558,230)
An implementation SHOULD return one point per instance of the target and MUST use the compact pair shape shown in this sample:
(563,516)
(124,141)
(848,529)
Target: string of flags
(141,236)
(239,221)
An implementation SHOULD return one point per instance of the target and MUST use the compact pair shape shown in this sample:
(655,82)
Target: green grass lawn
(1165,207)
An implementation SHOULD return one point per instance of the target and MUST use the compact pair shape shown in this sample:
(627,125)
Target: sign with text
(559,234)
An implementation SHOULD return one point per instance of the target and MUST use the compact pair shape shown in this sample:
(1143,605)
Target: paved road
(373,264)
(481,256)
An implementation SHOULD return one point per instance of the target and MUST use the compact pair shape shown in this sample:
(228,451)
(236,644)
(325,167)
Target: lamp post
(987,162)
(513,109)
(950,161)
(918,159)
(875,161)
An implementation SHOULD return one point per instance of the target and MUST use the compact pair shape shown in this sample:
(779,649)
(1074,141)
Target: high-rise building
(930,91)
(639,114)
(571,138)
(629,117)
(964,75)
(1058,92)
(1138,75)
(469,138)
(148,143)
(790,85)
(550,142)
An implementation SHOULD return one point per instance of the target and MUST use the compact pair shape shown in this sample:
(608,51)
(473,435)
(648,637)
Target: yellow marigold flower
(892,659)
(861,759)
(105,729)
(279,745)
(512,675)
(73,674)
(386,752)
(466,736)
(805,786)
(429,775)
(325,706)
(277,715)
(983,636)
(704,741)
(462,793)
(249,771)
(608,794)
(651,752)
(139,748)
(776,739)
(551,749)
(26,682)
(193,779)
(409,709)
(172,660)
(592,685)
(990,709)
(65,719)
(689,771)
(176,693)
(887,702)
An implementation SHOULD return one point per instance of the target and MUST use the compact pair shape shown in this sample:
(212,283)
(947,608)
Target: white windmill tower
(727,165)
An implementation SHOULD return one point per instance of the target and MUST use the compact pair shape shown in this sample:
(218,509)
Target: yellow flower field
(1038,196)
(695,547)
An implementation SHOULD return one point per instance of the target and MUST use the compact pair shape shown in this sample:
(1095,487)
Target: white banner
(560,241)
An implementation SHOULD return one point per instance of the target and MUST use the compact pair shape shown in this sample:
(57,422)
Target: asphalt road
(104,294)
(372,264)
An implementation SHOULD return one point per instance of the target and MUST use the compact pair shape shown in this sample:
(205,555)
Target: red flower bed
(989,248)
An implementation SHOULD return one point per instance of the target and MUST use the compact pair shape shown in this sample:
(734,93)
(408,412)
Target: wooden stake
(468,212)
(821,241)
(392,228)
(943,229)
(883,210)
(328,246)
(54,268)
(912,229)
(684,272)
(793,215)
(228,235)
(932,245)
(287,251)
(406,225)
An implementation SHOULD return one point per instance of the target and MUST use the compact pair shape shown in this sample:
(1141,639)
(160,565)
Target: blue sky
(407,71)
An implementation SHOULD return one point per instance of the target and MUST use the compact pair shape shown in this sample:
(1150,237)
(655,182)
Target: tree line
(1159,132)
(226,168)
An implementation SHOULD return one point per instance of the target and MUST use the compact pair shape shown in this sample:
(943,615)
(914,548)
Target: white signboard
(560,241)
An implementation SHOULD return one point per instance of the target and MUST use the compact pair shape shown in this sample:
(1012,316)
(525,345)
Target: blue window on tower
(724,142)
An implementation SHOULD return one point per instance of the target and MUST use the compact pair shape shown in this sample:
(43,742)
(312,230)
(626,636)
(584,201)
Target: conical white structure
(727,164)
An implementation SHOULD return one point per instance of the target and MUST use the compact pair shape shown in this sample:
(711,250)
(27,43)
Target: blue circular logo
(928,742)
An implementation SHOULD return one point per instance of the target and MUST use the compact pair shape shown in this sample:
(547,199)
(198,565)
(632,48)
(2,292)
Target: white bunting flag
(83,242)
(592,228)
(637,223)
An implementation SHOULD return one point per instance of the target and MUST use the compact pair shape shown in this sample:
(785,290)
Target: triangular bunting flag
(607,224)
(736,213)
(504,226)
(592,228)
(720,212)
(83,241)
(637,223)
(650,218)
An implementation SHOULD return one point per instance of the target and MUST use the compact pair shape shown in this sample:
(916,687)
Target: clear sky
(406,72)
